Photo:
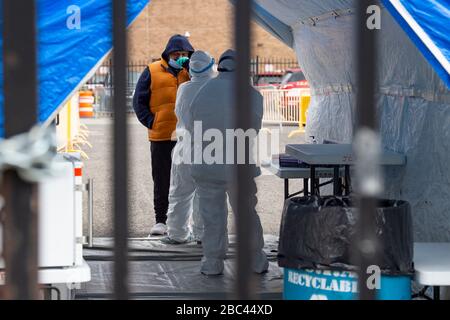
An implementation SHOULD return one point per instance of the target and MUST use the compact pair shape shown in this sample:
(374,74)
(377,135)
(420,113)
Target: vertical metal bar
(436,293)
(120,151)
(313,180)
(336,181)
(257,66)
(91,212)
(347,180)
(366,56)
(47,292)
(286,189)
(19,56)
(245,187)
(367,248)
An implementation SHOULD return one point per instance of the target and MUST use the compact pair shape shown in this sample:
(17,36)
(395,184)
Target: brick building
(209,23)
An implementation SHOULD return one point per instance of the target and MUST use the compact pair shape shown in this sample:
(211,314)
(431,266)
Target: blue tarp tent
(427,23)
(413,96)
(69,51)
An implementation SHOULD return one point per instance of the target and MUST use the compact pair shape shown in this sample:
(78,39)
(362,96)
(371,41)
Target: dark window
(297,76)
(293,77)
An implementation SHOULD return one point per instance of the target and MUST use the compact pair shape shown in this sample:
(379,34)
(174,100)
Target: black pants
(161,165)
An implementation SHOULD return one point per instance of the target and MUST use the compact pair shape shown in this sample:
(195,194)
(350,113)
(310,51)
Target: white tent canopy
(412,100)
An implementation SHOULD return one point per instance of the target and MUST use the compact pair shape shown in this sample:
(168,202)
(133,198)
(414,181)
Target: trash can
(316,236)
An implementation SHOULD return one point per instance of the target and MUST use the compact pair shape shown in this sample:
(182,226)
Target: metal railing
(102,84)
(265,70)
(262,71)
(103,76)
(282,106)
(260,67)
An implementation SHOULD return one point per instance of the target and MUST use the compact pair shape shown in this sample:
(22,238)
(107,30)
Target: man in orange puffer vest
(154,105)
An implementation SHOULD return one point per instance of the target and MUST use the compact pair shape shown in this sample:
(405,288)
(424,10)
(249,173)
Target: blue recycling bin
(310,284)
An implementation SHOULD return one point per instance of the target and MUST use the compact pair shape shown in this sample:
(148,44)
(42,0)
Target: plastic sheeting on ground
(67,51)
(413,102)
(159,271)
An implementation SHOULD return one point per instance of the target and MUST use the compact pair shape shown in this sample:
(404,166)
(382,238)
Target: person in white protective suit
(182,196)
(213,109)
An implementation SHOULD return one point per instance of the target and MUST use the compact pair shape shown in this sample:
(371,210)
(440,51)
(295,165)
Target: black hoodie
(142,94)
(177,43)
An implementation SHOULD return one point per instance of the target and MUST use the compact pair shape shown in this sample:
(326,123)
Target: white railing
(281,106)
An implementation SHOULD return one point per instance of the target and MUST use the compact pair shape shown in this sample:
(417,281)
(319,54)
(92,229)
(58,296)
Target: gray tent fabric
(291,12)
(278,29)
(413,102)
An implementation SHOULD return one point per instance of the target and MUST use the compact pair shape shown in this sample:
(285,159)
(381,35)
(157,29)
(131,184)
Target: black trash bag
(318,232)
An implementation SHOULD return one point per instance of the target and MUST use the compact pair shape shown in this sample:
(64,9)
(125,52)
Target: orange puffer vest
(164,88)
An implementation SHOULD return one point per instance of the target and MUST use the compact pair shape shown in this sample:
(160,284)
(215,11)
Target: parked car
(295,85)
(294,79)
(267,79)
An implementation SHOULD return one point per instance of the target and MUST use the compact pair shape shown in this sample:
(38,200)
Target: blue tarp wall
(67,51)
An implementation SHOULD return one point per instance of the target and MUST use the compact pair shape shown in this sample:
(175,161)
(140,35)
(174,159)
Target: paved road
(140,184)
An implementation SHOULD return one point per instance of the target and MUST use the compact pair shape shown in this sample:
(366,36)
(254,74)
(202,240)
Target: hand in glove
(183,62)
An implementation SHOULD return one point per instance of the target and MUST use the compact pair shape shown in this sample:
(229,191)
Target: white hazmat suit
(183,202)
(213,110)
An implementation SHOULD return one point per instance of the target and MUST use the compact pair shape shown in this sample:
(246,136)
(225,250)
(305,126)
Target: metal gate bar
(366,248)
(120,146)
(245,187)
(19,63)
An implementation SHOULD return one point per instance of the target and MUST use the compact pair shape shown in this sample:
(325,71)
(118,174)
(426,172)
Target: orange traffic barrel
(86,104)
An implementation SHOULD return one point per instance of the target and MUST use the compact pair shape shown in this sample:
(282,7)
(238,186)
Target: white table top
(432,263)
(299,173)
(337,154)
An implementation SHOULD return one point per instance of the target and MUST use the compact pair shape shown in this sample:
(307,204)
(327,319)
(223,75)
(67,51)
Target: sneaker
(169,240)
(212,266)
(261,264)
(158,229)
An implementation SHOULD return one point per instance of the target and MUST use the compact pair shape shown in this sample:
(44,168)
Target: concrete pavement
(140,184)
